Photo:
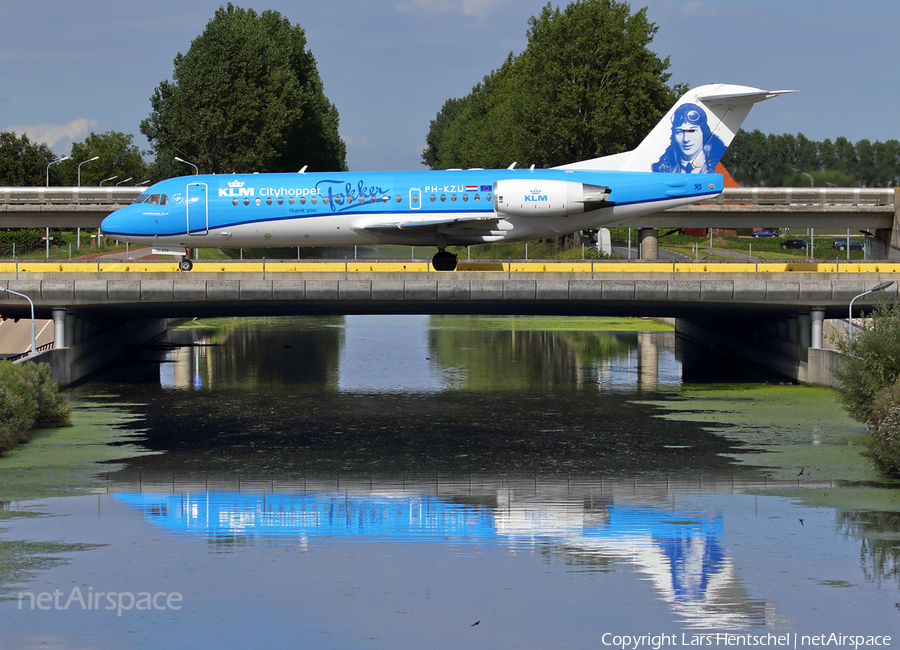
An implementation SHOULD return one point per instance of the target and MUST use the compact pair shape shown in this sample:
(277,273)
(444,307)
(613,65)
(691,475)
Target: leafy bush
(872,362)
(884,423)
(28,399)
(25,239)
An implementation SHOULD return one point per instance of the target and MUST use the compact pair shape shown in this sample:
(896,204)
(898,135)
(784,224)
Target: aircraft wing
(430,226)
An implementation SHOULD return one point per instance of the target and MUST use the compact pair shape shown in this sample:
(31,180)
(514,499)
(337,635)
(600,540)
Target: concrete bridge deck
(664,289)
(766,313)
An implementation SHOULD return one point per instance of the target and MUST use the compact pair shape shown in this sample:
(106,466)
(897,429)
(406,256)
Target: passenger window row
(362,200)
(313,200)
(465,197)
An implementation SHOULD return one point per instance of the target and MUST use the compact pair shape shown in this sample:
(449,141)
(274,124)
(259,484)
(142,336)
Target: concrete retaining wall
(73,364)
(820,367)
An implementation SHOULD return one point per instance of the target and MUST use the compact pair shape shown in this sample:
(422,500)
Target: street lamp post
(111,178)
(196,170)
(84,163)
(877,287)
(812,183)
(33,347)
(54,162)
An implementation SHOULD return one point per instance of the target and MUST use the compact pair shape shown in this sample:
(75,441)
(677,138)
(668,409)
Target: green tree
(887,162)
(747,157)
(865,156)
(872,361)
(846,154)
(28,400)
(246,97)
(587,85)
(22,162)
(870,383)
(475,130)
(828,155)
(119,157)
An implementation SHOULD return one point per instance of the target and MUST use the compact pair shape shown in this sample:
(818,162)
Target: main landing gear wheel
(185,264)
(444,261)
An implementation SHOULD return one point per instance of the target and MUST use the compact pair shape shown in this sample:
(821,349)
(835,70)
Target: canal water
(445,482)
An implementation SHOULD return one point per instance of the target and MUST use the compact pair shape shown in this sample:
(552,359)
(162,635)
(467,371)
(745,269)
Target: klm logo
(236,191)
(236,188)
(535,196)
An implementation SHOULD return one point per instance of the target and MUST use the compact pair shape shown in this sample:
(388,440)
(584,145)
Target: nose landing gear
(443,261)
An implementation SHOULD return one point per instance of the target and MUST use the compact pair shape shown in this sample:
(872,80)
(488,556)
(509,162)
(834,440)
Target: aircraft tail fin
(693,135)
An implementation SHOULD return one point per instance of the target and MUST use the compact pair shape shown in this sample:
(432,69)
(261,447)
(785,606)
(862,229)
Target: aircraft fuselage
(436,208)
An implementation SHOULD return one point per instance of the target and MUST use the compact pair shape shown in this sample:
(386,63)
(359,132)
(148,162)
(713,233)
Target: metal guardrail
(752,195)
(806,196)
(68,195)
(40,348)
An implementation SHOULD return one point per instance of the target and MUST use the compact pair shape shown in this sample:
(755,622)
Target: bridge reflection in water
(595,524)
(422,354)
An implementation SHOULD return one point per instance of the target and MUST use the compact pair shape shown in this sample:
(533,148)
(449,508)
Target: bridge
(873,210)
(769,313)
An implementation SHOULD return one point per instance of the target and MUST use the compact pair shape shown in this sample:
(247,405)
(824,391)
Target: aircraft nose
(114,223)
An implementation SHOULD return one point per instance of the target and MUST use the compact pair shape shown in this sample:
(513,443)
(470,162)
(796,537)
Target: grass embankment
(29,400)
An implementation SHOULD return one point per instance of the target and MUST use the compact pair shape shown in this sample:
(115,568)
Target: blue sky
(67,69)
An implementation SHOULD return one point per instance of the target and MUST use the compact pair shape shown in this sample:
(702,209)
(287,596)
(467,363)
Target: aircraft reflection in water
(680,549)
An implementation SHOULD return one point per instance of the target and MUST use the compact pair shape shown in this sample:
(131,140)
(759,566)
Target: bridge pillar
(70,330)
(648,361)
(818,324)
(893,252)
(804,325)
(649,241)
(886,243)
(793,330)
(59,327)
(781,329)
(79,331)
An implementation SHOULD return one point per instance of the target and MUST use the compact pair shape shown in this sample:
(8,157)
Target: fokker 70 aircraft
(673,166)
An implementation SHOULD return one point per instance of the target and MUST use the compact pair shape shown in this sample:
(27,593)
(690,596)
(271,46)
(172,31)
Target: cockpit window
(141,198)
(158,199)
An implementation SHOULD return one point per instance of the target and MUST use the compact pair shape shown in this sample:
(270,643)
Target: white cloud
(59,137)
(702,9)
(356,141)
(473,8)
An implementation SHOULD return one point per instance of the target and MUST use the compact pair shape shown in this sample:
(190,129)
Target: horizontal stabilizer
(742,98)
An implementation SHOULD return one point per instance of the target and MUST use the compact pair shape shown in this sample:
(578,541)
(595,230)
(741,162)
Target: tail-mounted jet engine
(519,197)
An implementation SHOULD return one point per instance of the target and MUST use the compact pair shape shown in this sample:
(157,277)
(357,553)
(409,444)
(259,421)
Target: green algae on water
(21,560)
(788,431)
(69,461)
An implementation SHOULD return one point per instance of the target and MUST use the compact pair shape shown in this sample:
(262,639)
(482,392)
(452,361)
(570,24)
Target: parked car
(841,244)
(797,243)
(763,233)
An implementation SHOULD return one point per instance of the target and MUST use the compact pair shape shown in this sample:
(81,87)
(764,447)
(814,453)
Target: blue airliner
(673,166)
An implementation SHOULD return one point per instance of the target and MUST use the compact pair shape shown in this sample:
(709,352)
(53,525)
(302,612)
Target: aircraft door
(415,198)
(197,209)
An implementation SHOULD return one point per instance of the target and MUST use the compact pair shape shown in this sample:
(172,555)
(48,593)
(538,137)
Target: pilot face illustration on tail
(693,148)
